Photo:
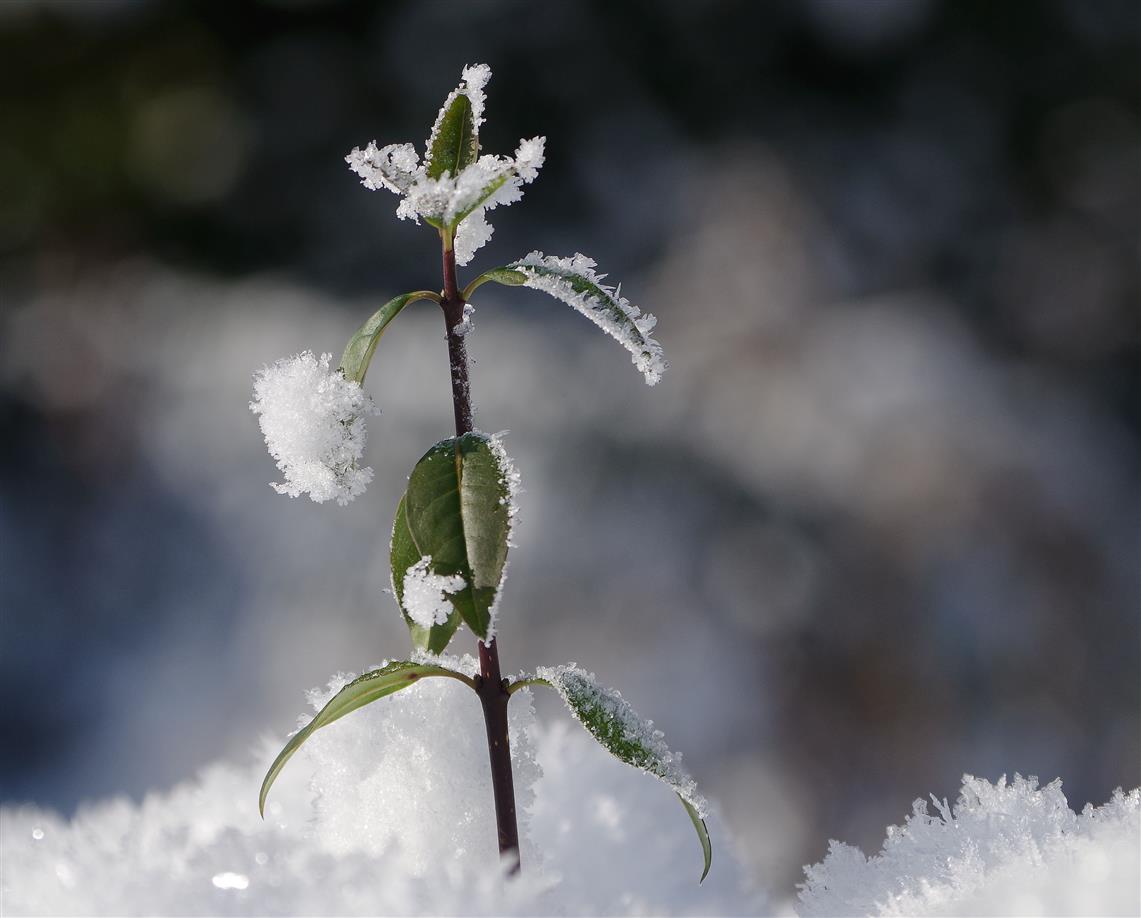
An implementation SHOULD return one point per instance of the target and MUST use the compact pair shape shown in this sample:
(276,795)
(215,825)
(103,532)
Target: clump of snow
(1004,848)
(490,182)
(426,594)
(312,419)
(574,281)
(387,811)
(642,745)
(464,327)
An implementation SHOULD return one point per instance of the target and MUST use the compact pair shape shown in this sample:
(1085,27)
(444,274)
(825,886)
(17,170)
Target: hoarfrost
(461,200)
(512,483)
(312,419)
(574,281)
(1003,848)
(426,594)
(597,707)
(464,327)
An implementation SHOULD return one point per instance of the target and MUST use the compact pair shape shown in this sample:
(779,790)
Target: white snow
(604,306)
(387,811)
(513,483)
(490,182)
(582,693)
(313,422)
(1003,849)
(426,594)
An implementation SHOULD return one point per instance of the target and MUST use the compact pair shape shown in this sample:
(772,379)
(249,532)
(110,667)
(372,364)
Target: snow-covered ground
(389,812)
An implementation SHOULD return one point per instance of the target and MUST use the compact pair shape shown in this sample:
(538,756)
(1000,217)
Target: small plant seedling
(453,526)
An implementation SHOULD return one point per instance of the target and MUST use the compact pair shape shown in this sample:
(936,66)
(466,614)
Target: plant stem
(490,684)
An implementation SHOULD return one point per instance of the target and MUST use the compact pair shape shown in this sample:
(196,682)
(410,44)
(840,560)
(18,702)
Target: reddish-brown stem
(490,684)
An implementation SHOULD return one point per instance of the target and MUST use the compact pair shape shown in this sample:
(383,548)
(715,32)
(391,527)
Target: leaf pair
(453,526)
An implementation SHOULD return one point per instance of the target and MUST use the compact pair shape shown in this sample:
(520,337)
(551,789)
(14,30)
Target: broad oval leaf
(610,719)
(454,144)
(361,691)
(405,555)
(362,345)
(575,282)
(458,513)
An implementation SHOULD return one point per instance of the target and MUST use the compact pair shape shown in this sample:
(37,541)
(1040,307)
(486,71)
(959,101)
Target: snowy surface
(1003,849)
(574,281)
(387,811)
(313,422)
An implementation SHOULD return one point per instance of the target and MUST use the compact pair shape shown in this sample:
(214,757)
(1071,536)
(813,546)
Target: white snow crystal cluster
(512,483)
(491,181)
(388,811)
(604,306)
(587,700)
(313,422)
(1003,849)
(426,594)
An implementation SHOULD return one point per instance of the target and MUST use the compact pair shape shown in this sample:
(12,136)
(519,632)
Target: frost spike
(611,720)
(363,690)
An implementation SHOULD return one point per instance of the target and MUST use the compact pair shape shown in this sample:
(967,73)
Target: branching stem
(490,684)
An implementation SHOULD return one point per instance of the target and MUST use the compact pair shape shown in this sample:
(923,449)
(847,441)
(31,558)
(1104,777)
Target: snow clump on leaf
(426,594)
(313,422)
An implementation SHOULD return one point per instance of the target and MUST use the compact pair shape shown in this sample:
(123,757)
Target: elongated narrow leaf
(454,143)
(429,635)
(457,512)
(505,276)
(575,282)
(610,719)
(361,691)
(362,345)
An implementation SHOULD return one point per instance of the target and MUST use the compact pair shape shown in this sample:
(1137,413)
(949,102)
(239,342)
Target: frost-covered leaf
(454,142)
(610,719)
(362,345)
(574,281)
(430,631)
(361,691)
(458,513)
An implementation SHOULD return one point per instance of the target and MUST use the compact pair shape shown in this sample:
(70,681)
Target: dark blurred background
(877,527)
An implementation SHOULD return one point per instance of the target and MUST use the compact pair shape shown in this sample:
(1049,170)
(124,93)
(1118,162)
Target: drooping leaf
(458,512)
(361,691)
(454,143)
(404,554)
(362,345)
(610,719)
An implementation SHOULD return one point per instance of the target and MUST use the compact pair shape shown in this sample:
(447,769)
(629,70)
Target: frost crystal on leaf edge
(579,688)
(556,277)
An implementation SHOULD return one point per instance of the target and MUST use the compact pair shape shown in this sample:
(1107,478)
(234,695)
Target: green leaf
(456,510)
(505,276)
(404,554)
(610,719)
(367,688)
(362,345)
(486,192)
(455,144)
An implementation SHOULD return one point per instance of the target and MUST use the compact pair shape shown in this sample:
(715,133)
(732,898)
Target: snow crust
(387,811)
(312,419)
(604,306)
(426,594)
(491,181)
(1002,849)
(587,700)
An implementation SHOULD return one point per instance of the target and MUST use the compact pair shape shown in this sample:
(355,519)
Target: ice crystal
(512,483)
(461,201)
(426,594)
(312,419)
(615,724)
(1004,848)
(575,282)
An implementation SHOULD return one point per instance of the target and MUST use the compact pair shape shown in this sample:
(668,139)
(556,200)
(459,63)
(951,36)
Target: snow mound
(387,811)
(1003,849)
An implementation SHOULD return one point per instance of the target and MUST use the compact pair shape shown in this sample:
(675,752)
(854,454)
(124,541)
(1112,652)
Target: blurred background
(878,525)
